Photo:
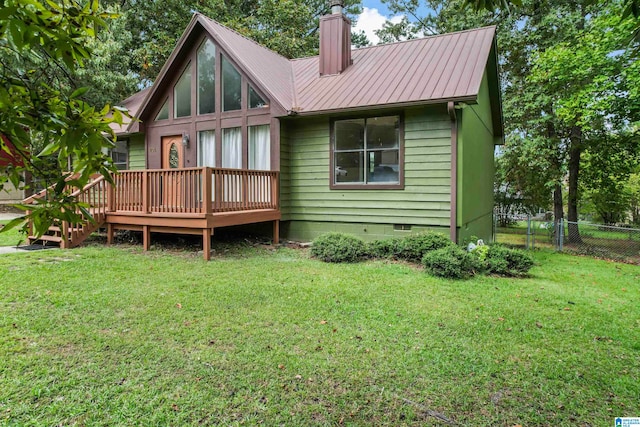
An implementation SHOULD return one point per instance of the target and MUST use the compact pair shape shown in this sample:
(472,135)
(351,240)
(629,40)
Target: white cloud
(371,20)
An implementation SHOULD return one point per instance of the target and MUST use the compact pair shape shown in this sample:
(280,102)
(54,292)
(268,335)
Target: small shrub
(386,248)
(414,247)
(451,262)
(507,262)
(338,247)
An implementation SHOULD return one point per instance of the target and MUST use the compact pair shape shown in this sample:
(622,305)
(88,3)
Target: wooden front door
(172,152)
(172,158)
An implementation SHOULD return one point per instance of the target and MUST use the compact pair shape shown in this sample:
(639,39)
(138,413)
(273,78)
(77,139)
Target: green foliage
(289,27)
(415,246)
(338,247)
(505,261)
(451,262)
(385,248)
(42,111)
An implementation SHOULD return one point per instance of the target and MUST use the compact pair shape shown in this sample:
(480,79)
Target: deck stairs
(65,234)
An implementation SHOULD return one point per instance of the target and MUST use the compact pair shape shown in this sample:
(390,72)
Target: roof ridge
(242,35)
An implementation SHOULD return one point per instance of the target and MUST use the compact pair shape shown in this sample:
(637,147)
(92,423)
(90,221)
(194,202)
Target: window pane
(383,132)
(383,166)
(349,167)
(206,77)
(232,148)
(231,87)
(119,155)
(182,94)
(259,147)
(349,134)
(255,100)
(163,114)
(207,148)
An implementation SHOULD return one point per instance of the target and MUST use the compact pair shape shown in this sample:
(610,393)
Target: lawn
(114,336)
(11,237)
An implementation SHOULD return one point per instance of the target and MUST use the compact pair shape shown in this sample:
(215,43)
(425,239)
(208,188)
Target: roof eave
(397,105)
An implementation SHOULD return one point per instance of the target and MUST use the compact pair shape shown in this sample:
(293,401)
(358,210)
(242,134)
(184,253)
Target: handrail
(202,190)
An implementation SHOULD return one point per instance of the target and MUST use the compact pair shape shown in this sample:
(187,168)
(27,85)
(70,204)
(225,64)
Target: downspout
(454,172)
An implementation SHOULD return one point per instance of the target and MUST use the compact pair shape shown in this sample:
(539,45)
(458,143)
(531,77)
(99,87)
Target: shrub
(507,262)
(386,248)
(338,247)
(451,262)
(414,247)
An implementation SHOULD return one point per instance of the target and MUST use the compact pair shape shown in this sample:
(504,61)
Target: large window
(207,148)
(232,148)
(206,78)
(182,94)
(231,87)
(259,147)
(367,152)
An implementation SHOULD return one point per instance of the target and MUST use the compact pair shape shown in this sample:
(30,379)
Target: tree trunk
(557,211)
(574,170)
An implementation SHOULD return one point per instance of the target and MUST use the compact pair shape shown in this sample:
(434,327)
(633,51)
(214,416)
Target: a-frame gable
(228,42)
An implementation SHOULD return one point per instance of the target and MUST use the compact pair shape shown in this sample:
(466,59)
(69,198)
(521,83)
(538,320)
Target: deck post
(111,197)
(206,243)
(206,191)
(276,231)
(145,192)
(109,234)
(146,237)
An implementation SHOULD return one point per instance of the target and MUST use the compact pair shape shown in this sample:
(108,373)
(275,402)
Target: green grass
(11,237)
(114,336)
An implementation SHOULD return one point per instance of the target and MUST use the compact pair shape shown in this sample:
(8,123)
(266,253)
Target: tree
(42,112)
(289,27)
(568,76)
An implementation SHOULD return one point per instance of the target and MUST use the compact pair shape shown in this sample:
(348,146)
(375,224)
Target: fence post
(528,241)
(560,234)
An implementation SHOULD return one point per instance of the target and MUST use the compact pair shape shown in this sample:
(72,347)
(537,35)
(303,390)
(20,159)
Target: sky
(374,14)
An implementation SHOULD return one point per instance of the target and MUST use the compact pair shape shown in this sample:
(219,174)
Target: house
(9,157)
(378,141)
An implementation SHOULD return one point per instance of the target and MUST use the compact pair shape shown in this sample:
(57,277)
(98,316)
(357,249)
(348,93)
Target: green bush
(338,247)
(451,262)
(415,246)
(507,262)
(385,248)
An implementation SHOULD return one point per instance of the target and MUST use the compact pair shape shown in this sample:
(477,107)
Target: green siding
(137,152)
(476,169)
(311,205)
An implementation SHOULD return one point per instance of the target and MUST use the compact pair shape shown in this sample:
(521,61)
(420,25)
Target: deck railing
(194,190)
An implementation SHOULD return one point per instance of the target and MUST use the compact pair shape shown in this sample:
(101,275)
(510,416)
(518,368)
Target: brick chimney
(335,40)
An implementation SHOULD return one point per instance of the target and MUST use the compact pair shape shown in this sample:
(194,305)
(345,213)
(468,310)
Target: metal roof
(133,104)
(438,68)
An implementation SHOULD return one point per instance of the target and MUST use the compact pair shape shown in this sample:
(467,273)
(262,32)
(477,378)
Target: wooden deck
(191,201)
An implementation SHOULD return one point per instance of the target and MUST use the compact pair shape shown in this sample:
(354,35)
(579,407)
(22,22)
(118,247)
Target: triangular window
(255,100)
(163,114)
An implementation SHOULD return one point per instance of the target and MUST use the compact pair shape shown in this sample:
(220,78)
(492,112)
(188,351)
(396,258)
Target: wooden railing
(194,190)
(94,197)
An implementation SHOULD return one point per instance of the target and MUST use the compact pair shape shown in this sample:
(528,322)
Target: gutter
(454,171)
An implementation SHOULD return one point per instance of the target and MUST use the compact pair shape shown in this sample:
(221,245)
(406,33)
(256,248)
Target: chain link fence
(582,238)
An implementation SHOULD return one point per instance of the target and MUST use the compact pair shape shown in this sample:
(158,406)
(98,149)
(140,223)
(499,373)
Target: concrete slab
(8,216)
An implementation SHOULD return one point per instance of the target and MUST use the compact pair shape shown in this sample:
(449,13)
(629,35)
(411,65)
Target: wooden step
(46,238)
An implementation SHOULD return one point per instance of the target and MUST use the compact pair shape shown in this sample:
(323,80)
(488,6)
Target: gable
(200,29)
(431,70)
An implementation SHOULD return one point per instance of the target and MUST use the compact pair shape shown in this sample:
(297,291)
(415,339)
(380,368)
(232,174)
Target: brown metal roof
(265,67)
(434,69)
(431,69)
(133,104)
